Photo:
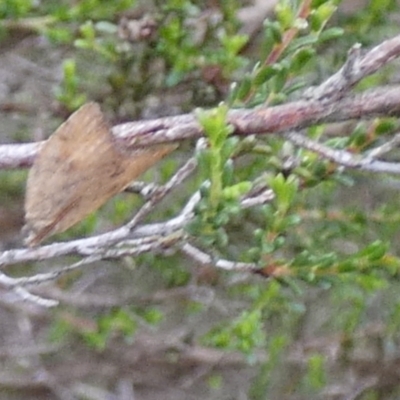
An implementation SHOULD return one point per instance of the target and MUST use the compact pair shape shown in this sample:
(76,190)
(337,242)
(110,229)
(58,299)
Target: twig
(87,246)
(27,296)
(158,194)
(343,157)
(18,285)
(385,148)
(384,101)
(290,34)
(357,67)
(381,101)
(14,156)
(121,241)
(37,279)
(132,239)
(84,300)
(135,247)
(145,189)
(205,259)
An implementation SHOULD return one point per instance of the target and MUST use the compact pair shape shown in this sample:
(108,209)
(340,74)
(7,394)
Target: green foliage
(119,322)
(172,271)
(174,43)
(15,8)
(371,21)
(68,93)
(245,333)
(285,190)
(254,328)
(220,193)
(181,48)
(315,377)
(290,47)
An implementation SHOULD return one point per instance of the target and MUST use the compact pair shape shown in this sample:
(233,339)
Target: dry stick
(37,279)
(17,285)
(15,156)
(148,237)
(385,147)
(378,102)
(356,67)
(25,295)
(383,101)
(295,115)
(92,245)
(347,159)
(162,191)
(205,259)
(90,300)
(158,241)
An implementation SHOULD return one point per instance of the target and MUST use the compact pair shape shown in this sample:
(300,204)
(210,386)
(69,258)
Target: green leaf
(316,377)
(301,58)
(87,31)
(236,191)
(244,88)
(386,125)
(285,190)
(285,14)
(275,30)
(264,74)
(330,34)
(375,251)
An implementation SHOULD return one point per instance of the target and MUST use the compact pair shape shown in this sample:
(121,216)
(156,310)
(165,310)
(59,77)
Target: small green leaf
(386,125)
(275,30)
(375,251)
(284,189)
(236,191)
(330,34)
(87,31)
(301,58)
(264,74)
(228,173)
(316,377)
(244,88)
(82,44)
(284,14)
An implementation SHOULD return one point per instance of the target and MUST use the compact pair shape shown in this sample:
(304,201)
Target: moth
(77,170)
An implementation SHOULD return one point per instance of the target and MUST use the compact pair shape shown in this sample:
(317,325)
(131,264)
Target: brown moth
(77,170)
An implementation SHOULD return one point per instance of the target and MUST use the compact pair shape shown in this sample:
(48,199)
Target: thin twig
(343,157)
(356,67)
(383,101)
(162,191)
(385,148)
(132,239)
(205,259)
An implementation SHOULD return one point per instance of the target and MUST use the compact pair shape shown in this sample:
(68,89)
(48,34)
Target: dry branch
(321,104)
(380,102)
(329,102)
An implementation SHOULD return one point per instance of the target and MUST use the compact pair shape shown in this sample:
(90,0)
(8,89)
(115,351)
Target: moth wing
(77,170)
(62,174)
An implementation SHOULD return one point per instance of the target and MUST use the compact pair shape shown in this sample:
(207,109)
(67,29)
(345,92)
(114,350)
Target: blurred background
(161,326)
